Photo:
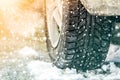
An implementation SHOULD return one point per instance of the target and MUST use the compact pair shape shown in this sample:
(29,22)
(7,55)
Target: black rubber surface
(84,39)
(116,38)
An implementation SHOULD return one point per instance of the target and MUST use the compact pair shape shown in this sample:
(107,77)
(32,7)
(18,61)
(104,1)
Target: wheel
(76,39)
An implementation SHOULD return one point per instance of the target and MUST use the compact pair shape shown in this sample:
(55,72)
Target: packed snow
(45,71)
(35,67)
(27,52)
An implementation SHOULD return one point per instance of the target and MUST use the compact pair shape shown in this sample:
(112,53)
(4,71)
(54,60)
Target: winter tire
(81,40)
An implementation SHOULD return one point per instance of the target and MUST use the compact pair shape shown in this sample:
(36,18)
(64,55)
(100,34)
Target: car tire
(84,39)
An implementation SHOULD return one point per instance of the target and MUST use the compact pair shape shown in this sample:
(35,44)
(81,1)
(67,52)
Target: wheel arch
(102,7)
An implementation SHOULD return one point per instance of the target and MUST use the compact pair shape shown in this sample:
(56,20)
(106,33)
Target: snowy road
(44,71)
(28,64)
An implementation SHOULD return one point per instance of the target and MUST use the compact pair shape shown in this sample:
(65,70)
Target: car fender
(102,7)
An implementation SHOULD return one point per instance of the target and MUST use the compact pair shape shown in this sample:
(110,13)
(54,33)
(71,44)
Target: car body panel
(102,7)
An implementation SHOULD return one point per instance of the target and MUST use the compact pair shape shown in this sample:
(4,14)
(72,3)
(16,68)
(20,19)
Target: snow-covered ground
(45,71)
(28,64)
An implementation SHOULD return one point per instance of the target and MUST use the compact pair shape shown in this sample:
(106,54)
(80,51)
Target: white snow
(38,69)
(28,52)
(45,71)
(42,70)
